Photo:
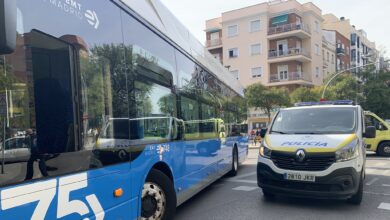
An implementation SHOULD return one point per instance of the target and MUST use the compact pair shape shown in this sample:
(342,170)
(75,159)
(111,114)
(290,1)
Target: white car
(15,150)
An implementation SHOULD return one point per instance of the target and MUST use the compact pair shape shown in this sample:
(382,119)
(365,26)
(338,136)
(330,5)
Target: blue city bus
(110,110)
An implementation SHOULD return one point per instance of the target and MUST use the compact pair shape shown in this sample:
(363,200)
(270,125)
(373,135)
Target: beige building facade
(277,43)
(362,51)
(328,53)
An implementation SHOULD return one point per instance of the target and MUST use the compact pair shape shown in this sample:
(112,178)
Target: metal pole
(4,124)
(3,148)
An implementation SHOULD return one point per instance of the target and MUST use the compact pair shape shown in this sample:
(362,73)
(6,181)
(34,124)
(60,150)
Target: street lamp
(338,73)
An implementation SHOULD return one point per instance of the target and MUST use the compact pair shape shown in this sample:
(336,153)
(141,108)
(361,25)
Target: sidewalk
(253,146)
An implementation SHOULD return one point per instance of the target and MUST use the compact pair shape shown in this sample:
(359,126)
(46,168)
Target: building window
(317,26)
(233,52)
(317,49)
(214,36)
(232,30)
(236,74)
(347,51)
(257,72)
(327,56)
(332,59)
(317,72)
(255,49)
(255,26)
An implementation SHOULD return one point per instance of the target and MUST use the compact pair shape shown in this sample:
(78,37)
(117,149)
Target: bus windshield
(340,120)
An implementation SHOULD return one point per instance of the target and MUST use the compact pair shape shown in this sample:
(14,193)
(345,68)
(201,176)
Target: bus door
(60,84)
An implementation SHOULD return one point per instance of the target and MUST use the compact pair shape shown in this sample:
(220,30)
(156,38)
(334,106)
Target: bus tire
(384,149)
(158,197)
(233,171)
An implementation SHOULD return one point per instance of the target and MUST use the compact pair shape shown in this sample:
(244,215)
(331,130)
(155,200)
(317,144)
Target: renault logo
(300,155)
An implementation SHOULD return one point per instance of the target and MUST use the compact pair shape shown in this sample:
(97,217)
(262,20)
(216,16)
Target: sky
(370,15)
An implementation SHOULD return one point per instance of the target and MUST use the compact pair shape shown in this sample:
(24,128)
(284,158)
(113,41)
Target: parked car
(15,150)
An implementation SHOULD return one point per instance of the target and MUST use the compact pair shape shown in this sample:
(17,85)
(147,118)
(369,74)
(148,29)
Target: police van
(315,150)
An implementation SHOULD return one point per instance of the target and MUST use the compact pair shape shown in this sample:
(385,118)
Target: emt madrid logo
(74,8)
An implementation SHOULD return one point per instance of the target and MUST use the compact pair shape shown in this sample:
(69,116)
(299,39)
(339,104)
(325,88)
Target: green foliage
(305,94)
(376,92)
(261,97)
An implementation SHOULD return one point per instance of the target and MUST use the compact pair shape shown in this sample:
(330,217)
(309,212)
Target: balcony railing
(290,76)
(340,51)
(288,27)
(214,43)
(289,52)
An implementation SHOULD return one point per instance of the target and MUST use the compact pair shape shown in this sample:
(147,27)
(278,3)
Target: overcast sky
(371,15)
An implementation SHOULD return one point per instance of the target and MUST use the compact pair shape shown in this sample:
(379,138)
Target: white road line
(375,193)
(385,206)
(245,188)
(243,181)
(372,181)
(379,164)
(245,175)
(386,185)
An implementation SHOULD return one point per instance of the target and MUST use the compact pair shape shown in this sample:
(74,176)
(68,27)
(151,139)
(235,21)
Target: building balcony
(340,51)
(214,43)
(288,30)
(289,78)
(296,54)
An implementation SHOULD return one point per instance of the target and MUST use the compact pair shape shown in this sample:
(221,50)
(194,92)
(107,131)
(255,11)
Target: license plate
(300,177)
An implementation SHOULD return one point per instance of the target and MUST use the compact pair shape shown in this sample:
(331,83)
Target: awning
(279,20)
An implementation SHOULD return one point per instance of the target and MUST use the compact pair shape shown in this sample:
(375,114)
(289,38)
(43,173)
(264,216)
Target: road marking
(379,164)
(385,206)
(386,185)
(372,181)
(245,188)
(386,173)
(245,175)
(375,193)
(243,181)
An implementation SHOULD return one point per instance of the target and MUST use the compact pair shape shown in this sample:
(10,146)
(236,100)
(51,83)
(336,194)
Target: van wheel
(384,149)
(233,171)
(158,197)
(357,198)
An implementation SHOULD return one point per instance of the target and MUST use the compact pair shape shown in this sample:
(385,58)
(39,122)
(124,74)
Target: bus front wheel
(158,197)
(233,171)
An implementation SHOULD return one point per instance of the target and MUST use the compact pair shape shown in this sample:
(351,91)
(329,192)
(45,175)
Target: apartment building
(277,43)
(328,53)
(361,50)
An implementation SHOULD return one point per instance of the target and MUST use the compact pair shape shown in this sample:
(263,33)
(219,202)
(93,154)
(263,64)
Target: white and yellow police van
(315,150)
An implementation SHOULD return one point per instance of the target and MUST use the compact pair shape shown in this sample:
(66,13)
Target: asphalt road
(240,198)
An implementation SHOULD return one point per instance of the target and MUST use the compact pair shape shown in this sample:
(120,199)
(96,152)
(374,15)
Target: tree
(305,94)
(376,91)
(261,97)
(346,88)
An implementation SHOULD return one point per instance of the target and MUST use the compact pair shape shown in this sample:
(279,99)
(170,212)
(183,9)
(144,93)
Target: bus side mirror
(370,132)
(7,26)
(263,132)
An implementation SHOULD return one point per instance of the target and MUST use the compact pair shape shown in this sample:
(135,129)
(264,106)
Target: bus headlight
(264,150)
(349,152)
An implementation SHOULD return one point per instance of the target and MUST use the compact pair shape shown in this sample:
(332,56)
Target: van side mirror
(370,132)
(7,26)
(263,132)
